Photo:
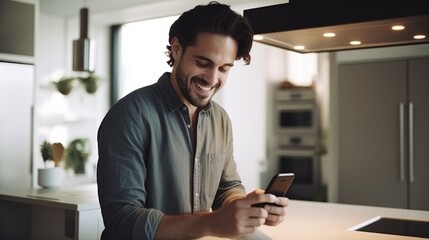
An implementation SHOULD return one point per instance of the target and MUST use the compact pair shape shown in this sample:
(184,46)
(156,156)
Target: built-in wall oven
(297,130)
(296,114)
(305,163)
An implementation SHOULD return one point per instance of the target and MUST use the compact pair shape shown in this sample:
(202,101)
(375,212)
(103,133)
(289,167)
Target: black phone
(278,186)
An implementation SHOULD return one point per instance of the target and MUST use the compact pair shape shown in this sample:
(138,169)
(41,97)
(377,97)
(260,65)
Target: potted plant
(90,82)
(76,155)
(52,174)
(65,85)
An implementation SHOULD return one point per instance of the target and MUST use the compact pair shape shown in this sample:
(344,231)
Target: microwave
(296,117)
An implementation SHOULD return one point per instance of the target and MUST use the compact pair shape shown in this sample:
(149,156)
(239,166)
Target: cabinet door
(17,28)
(369,138)
(419,97)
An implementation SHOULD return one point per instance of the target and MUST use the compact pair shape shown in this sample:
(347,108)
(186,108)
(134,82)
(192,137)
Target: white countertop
(78,198)
(330,221)
(304,220)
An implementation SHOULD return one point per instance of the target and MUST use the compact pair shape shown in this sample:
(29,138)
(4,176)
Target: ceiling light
(355,43)
(419,37)
(299,47)
(258,37)
(303,22)
(83,48)
(329,34)
(398,27)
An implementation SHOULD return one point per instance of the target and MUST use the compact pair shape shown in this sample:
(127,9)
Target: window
(139,52)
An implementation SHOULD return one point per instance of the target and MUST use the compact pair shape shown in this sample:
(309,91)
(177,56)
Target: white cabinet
(384,133)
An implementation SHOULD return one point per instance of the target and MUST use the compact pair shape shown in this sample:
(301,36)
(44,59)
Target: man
(166,167)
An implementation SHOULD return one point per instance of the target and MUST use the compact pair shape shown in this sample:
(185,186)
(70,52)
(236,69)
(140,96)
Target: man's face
(201,70)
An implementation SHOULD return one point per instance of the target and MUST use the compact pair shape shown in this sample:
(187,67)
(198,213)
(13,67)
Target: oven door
(296,117)
(305,164)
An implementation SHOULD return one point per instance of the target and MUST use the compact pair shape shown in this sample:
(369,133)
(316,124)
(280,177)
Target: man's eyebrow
(210,61)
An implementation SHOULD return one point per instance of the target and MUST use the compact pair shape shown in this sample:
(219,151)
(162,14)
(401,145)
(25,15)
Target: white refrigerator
(16,124)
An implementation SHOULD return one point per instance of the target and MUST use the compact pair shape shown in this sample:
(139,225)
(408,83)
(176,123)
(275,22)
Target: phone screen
(280,183)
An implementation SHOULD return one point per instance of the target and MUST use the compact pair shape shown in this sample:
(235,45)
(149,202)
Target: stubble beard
(195,100)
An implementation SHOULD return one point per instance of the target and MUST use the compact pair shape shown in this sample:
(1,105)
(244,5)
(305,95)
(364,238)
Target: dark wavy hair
(212,18)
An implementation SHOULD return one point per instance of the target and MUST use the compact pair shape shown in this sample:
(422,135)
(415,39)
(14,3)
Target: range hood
(300,24)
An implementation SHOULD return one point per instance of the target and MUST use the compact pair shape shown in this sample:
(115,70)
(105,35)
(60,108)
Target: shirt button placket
(196,185)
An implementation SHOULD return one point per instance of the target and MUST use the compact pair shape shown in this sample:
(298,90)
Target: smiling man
(166,168)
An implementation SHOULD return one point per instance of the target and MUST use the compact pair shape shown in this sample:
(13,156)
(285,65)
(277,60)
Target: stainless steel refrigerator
(16,121)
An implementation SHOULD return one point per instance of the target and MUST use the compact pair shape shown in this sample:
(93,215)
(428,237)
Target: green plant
(65,85)
(46,151)
(52,152)
(90,82)
(76,155)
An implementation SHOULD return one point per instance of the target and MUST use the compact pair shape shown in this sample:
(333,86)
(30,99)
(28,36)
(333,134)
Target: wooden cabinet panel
(419,97)
(17,28)
(370,95)
(383,154)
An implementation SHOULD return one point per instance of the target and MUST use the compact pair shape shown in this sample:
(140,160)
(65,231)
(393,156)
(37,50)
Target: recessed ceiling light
(258,37)
(329,34)
(398,27)
(355,43)
(299,47)
(420,36)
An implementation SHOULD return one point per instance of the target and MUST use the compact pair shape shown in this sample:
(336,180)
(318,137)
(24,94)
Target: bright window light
(142,53)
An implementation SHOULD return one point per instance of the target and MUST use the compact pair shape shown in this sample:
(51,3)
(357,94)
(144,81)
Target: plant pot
(50,177)
(65,85)
(91,87)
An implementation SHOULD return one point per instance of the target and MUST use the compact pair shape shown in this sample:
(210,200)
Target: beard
(185,88)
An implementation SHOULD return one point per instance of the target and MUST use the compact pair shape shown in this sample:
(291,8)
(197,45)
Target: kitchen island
(50,213)
(331,221)
(74,213)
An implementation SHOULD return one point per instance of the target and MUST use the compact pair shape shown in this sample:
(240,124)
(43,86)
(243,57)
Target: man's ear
(175,47)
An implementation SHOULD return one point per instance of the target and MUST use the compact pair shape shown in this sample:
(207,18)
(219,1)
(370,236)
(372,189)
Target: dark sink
(403,227)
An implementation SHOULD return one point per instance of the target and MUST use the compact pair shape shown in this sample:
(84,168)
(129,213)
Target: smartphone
(278,186)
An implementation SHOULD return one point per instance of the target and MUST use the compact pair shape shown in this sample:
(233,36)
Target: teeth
(203,87)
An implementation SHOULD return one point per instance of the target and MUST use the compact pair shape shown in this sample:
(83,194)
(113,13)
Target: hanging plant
(90,83)
(65,85)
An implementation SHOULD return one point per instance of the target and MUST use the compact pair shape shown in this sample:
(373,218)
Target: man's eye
(201,64)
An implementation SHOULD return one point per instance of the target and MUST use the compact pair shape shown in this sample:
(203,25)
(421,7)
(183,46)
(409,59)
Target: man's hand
(277,212)
(235,219)
(240,218)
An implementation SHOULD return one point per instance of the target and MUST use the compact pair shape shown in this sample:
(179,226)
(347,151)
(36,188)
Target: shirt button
(189,125)
(184,108)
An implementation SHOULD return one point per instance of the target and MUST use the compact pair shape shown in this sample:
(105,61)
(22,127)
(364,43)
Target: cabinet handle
(401,142)
(411,142)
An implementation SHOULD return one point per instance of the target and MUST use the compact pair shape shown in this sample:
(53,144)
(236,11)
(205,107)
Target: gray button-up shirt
(151,163)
